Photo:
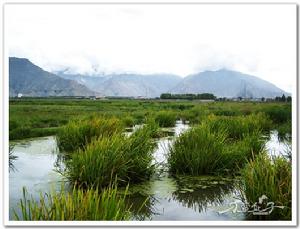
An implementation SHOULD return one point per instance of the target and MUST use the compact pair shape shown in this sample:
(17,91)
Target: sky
(178,39)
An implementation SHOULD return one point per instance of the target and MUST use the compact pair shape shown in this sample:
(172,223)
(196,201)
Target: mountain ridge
(31,80)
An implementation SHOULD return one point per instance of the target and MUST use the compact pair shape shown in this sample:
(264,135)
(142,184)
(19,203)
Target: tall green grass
(237,153)
(279,114)
(165,118)
(196,151)
(128,158)
(78,133)
(239,126)
(220,145)
(90,204)
(272,178)
(285,131)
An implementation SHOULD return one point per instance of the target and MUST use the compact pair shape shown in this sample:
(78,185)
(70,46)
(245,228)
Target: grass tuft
(196,151)
(165,119)
(272,178)
(77,133)
(90,204)
(128,158)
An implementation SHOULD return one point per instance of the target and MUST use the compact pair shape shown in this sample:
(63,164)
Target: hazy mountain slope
(91,82)
(127,84)
(31,80)
(226,83)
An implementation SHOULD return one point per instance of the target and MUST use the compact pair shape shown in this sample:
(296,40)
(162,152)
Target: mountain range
(30,80)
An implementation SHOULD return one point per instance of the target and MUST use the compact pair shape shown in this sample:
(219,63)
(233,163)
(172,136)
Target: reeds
(236,153)
(165,119)
(196,151)
(78,133)
(128,158)
(239,126)
(272,178)
(220,145)
(279,114)
(89,204)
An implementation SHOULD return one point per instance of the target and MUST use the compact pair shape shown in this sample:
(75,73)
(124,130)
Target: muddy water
(164,197)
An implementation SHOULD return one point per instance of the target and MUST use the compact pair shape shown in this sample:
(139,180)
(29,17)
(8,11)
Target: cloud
(179,39)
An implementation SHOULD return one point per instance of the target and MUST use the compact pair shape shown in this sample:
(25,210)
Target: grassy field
(42,117)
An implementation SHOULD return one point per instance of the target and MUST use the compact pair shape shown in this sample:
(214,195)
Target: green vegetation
(285,131)
(197,151)
(128,159)
(237,153)
(272,178)
(78,133)
(165,119)
(219,145)
(238,126)
(32,117)
(188,96)
(279,114)
(225,138)
(90,204)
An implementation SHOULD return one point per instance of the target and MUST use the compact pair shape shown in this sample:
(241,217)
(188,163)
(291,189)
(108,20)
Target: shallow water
(275,147)
(165,197)
(34,168)
(183,198)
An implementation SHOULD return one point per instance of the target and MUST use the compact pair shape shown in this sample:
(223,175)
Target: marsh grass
(78,133)
(236,153)
(220,145)
(79,204)
(239,126)
(128,158)
(166,118)
(279,114)
(128,121)
(272,178)
(197,151)
(285,131)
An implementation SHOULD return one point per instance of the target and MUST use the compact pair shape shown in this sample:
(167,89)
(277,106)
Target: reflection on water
(11,159)
(161,198)
(180,198)
(34,169)
(169,198)
(275,147)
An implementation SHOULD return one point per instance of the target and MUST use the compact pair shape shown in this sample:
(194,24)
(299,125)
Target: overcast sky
(179,39)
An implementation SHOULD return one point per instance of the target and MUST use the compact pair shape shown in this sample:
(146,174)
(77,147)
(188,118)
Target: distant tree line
(283,98)
(187,96)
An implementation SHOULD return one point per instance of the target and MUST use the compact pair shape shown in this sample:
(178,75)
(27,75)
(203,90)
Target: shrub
(130,159)
(166,119)
(196,151)
(77,133)
(77,205)
(272,178)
